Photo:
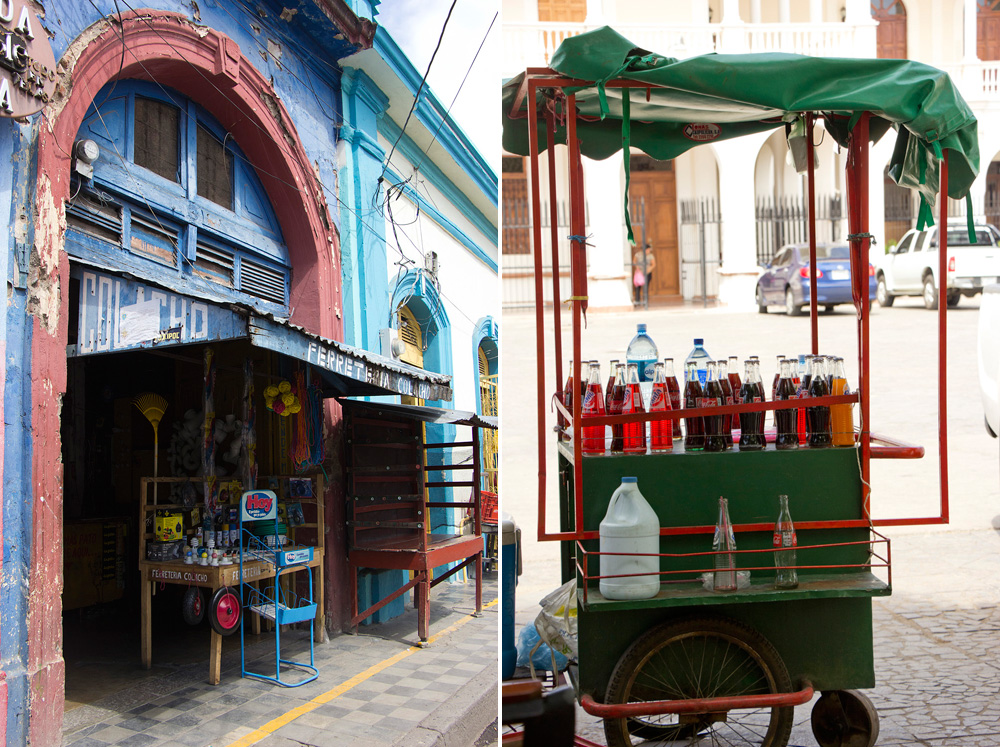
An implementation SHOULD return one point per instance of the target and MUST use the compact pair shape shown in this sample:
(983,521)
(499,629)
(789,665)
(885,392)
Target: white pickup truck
(988,357)
(911,268)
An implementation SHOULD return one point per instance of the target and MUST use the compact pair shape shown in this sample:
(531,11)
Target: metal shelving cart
(691,665)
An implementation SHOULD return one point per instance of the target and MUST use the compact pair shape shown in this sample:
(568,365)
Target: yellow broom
(152,406)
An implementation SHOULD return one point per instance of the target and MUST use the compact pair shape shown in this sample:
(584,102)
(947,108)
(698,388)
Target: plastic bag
(556,623)
(533,652)
(638,278)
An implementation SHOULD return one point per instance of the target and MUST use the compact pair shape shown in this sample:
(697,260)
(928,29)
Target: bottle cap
(699,341)
(629,479)
(640,328)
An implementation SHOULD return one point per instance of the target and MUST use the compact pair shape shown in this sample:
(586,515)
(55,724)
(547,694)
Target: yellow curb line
(276,723)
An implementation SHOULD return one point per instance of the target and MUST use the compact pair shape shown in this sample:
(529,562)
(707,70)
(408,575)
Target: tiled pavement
(374,689)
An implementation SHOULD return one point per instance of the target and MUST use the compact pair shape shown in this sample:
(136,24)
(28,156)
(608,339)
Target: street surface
(937,663)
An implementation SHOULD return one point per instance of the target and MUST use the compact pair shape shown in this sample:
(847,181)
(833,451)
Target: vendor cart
(693,664)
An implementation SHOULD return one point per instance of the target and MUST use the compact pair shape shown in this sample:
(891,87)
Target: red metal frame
(538,80)
(695,705)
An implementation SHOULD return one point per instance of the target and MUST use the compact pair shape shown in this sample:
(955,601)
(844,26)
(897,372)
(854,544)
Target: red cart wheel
(844,718)
(702,657)
(224,611)
(193,605)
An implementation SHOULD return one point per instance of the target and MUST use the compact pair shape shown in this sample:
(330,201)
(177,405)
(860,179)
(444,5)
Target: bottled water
(700,357)
(642,352)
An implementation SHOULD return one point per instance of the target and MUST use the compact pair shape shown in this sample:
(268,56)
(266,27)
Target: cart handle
(695,705)
(884,447)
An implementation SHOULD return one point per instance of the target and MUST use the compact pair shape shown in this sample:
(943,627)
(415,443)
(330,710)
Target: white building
(716,213)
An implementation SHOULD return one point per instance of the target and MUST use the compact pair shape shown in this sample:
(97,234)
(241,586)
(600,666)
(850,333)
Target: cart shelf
(827,585)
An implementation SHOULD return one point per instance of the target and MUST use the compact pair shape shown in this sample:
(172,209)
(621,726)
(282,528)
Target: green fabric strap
(602,96)
(925,216)
(970,223)
(626,139)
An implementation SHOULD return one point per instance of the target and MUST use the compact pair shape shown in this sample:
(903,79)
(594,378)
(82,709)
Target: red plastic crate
(489,506)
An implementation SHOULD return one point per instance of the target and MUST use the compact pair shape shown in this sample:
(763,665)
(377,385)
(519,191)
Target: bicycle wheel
(703,657)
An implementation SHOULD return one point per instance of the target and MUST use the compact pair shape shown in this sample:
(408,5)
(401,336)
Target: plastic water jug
(642,351)
(700,357)
(630,526)
(509,571)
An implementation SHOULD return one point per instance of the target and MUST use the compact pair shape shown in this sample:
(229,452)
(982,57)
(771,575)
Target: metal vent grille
(214,265)
(262,281)
(152,239)
(90,217)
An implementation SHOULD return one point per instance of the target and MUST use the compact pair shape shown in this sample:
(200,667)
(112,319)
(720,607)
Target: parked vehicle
(911,268)
(988,357)
(785,282)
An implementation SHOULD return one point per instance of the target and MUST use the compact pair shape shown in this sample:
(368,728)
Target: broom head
(152,406)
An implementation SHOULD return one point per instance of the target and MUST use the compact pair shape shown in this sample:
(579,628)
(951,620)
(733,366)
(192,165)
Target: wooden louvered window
(157,137)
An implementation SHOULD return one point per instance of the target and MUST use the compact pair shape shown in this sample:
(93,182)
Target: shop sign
(259,505)
(27,67)
(117,314)
(343,360)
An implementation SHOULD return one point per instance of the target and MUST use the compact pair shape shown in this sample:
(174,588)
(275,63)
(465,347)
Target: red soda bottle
(715,440)
(675,392)
(787,436)
(593,406)
(634,434)
(611,385)
(694,427)
(617,401)
(661,431)
(802,390)
(727,393)
(567,400)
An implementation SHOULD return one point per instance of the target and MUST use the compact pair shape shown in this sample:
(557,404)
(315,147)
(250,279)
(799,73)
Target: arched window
(988,29)
(891,35)
(174,191)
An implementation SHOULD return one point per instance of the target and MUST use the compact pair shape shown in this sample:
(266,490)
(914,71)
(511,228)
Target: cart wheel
(844,718)
(701,657)
(193,605)
(224,611)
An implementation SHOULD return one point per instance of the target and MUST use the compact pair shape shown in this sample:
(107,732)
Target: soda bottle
(634,434)
(642,352)
(841,417)
(592,407)
(694,440)
(724,543)
(751,437)
(661,432)
(759,384)
(713,397)
(611,383)
(831,365)
(777,375)
(787,437)
(818,418)
(785,576)
(734,376)
(728,398)
(700,357)
(617,401)
(801,390)
(675,392)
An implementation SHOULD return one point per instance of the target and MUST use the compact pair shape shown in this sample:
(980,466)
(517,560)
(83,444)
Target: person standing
(643,263)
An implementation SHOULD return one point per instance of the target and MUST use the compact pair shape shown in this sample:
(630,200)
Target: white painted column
(738,274)
(878,158)
(859,14)
(815,11)
(595,13)
(970,38)
(754,11)
(608,283)
(699,11)
(733,31)
(731,11)
(784,11)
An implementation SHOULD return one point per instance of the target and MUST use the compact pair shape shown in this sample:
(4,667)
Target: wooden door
(654,183)
(891,35)
(562,11)
(988,30)
(514,203)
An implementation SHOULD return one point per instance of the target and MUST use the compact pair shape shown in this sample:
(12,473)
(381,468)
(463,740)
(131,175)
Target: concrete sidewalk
(375,689)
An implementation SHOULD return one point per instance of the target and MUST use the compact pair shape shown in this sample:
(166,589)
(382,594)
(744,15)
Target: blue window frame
(173,199)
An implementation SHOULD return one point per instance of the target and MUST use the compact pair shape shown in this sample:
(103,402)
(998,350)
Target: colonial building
(203,207)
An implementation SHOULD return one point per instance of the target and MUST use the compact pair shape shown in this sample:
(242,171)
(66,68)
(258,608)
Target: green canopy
(721,96)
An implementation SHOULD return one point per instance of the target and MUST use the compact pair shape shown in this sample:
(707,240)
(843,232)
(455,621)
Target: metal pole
(943,339)
(578,268)
(701,251)
(550,131)
(811,182)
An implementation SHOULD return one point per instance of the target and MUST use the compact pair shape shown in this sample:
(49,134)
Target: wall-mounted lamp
(85,152)
(843,14)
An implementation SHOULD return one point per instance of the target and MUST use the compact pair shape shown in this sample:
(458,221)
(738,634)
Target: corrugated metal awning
(424,413)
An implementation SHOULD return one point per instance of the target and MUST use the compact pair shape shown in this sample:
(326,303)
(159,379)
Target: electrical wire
(416,96)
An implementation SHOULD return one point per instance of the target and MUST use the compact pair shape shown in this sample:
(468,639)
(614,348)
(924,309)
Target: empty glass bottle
(724,544)
(785,541)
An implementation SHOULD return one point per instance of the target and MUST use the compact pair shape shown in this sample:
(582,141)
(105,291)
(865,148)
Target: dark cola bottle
(759,384)
(728,395)
(617,401)
(694,439)
(787,436)
(818,418)
(751,434)
(675,392)
(713,396)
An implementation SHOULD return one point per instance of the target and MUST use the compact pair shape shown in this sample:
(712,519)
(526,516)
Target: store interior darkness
(107,447)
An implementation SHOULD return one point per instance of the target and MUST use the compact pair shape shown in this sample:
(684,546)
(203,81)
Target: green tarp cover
(721,96)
